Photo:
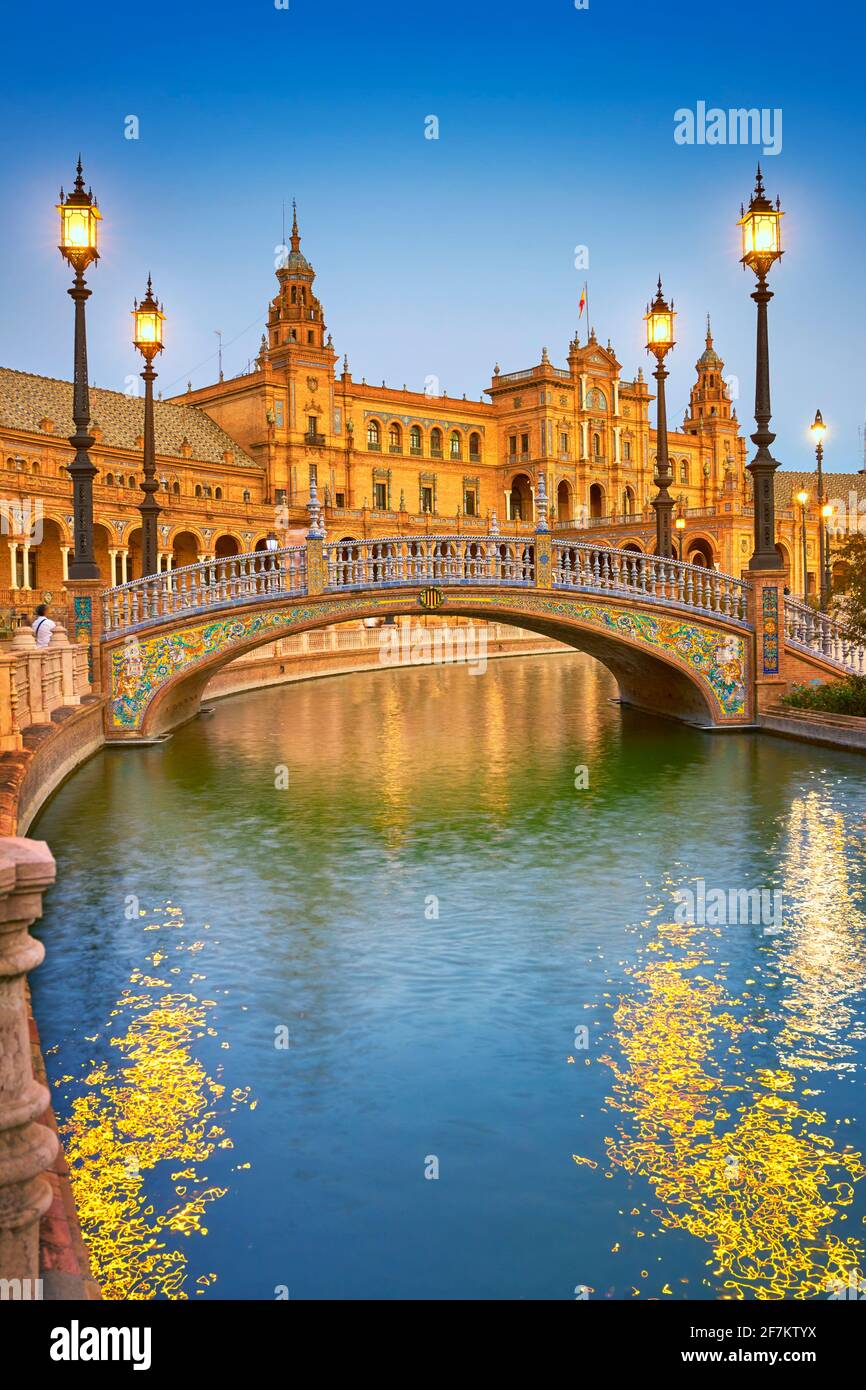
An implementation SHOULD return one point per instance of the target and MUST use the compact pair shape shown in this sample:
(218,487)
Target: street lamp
(817,430)
(762,245)
(148,320)
(272,541)
(826,513)
(680,525)
(659,320)
(79,236)
(803,498)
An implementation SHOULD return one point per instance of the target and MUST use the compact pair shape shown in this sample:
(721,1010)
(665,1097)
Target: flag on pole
(582,305)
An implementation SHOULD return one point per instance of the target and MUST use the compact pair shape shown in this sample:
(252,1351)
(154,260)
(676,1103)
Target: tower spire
(296,236)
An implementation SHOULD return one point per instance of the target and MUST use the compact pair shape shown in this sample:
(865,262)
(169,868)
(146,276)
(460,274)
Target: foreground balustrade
(437,560)
(816,632)
(213,583)
(600,569)
(430,560)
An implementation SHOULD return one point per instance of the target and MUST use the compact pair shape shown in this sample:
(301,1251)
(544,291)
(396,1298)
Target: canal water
(389,986)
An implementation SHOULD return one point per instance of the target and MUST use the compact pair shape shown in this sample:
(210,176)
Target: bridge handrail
(594,568)
(467,559)
(190,588)
(816,632)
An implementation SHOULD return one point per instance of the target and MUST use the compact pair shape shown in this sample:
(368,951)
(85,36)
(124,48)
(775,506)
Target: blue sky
(442,257)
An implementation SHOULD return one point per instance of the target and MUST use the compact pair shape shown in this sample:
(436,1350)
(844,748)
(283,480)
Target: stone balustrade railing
(35,681)
(26,1148)
(464,560)
(817,633)
(212,583)
(430,560)
(595,569)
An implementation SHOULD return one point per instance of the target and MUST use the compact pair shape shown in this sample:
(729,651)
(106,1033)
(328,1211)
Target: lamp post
(826,513)
(818,429)
(148,319)
(762,245)
(803,498)
(680,525)
(659,320)
(79,223)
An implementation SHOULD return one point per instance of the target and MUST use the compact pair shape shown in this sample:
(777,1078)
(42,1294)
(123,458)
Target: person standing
(43,626)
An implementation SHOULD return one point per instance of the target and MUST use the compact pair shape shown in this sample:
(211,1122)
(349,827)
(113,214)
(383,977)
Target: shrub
(840,697)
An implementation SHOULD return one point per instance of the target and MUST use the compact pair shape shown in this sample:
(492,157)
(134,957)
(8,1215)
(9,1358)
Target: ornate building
(239,457)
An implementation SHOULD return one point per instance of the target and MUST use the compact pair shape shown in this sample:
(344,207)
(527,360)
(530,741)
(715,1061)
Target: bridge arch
(669,664)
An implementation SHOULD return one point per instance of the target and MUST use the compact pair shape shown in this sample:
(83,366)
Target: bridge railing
(211,583)
(816,632)
(430,560)
(595,569)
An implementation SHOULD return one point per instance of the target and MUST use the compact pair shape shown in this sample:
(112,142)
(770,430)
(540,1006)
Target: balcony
(373,447)
(416,451)
(395,449)
(474,458)
(312,438)
(435,453)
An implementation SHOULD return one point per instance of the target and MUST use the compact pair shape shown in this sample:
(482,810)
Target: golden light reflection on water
(821,944)
(156,1105)
(734,1157)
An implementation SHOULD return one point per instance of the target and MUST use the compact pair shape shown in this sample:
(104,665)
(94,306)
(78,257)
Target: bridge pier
(765,610)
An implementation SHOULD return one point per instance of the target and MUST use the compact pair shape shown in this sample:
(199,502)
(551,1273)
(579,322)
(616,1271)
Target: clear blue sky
(442,257)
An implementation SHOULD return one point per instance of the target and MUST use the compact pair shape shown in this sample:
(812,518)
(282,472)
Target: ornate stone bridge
(681,640)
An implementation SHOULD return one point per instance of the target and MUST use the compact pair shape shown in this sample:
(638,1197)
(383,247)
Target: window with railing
(415,446)
(380,497)
(436,443)
(456,445)
(374,436)
(395,440)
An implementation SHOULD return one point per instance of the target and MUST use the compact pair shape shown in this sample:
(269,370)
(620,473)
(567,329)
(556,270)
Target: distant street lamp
(680,525)
(818,429)
(148,319)
(762,245)
(272,541)
(826,513)
(803,498)
(79,235)
(659,320)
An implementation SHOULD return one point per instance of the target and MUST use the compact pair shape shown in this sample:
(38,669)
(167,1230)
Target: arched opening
(475,448)
(520,499)
(633,545)
(629,502)
(700,553)
(650,677)
(102,539)
(133,563)
(226,545)
(46,559)
(436,443)
(564,507)
(596,500)
(374,435)
(415,440)
(456,444)
(395,439)
(185,549)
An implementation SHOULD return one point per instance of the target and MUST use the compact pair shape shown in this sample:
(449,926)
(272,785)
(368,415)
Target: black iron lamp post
(803,498)
(79,223)
(818,430)
(761,230)
(659,320)
(148,319)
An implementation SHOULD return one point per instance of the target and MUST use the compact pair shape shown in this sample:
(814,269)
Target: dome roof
(709,357)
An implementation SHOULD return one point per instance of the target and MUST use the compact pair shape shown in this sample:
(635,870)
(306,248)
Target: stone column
(13,564)
(766,613)
(112,567)
(64,555)
(124,566)
(26,1148)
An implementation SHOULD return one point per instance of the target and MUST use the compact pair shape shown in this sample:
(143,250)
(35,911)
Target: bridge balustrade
(601,569)
(430,560)
(816,632)
(212,583)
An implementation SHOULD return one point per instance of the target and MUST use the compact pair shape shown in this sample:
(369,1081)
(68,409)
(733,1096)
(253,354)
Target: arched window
(294,294)
(198,489)
(415,439)
(475,447)
(303,294)
(374,435)
(456,444)
(35,467)
(132,482)
(218,493)
(626,450)
(175,487)
(109,480)
(596,445)
(247,494)
(436,443)
(628,500)
(684,471)
(395,439)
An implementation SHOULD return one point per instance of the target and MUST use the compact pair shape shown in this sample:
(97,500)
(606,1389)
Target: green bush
(841,697)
